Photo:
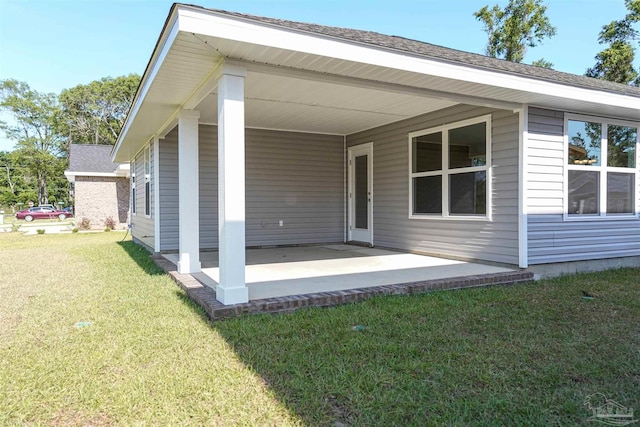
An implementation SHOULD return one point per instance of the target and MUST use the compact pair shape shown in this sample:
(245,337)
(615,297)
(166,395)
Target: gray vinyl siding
(168,177)
(550,237)
(208,183)
(495,240)
(294,177)
(142,228)
(297,178)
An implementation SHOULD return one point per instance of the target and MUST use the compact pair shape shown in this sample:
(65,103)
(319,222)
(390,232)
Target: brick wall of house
(98,198)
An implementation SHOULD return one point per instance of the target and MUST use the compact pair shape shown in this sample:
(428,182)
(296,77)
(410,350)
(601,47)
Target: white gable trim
(164,44)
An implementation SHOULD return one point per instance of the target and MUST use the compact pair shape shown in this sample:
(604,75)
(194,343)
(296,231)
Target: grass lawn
(145,355)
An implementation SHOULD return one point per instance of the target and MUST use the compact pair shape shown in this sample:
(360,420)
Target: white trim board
(523,225)
(353,233)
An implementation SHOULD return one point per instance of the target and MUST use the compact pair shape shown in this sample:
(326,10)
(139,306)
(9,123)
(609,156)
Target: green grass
(520,355)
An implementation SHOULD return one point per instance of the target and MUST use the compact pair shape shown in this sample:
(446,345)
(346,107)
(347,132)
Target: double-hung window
(449,170)
(601,167)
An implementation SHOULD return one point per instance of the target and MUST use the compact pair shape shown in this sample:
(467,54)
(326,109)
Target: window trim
(446,172)
(602,169)
(132,184)
(147,181)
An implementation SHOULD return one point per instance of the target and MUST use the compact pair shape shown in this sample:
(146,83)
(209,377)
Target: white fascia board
(100,174)
(214,24)
(164,45)
(123,169)
(123,173)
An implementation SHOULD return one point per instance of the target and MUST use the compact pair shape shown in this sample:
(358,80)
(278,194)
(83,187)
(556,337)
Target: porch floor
(298,275)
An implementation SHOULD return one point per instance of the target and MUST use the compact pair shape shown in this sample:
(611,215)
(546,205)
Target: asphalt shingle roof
(432,51)
(91,158)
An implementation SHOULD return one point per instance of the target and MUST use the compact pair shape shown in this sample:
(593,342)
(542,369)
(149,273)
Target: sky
(57,44)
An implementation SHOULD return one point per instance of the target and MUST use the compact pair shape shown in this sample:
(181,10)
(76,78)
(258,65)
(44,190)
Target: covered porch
(250,131)
(288,278)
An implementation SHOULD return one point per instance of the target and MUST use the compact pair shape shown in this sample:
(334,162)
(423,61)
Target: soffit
(336,95)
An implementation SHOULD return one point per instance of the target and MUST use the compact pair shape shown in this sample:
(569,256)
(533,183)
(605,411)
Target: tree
(615,63)
(543,63)
(522,24)
(94,113)
(38,145)
(11,178)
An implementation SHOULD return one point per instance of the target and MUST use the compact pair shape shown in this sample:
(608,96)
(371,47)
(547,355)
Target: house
(249,131)
(99,187)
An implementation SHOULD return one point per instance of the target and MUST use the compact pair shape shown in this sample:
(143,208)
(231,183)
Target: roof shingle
(91,158)
(427,50)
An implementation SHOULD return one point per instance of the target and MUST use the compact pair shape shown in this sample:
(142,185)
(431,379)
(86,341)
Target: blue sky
(57,44)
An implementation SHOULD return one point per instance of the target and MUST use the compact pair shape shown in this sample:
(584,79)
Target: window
(133,187)
(449,170)
(147,182)
(601,172)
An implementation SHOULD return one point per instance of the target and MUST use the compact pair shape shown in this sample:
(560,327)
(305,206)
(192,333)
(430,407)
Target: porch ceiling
(277,102)
(276,97)
(313,83)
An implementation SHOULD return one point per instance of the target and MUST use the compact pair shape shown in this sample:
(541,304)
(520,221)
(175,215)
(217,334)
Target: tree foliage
(94,113)
(616,62)
(521,24)
(44,125)
(12,178)
(543,63)
(39,147)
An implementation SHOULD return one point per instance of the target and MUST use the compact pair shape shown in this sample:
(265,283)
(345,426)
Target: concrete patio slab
(284,279)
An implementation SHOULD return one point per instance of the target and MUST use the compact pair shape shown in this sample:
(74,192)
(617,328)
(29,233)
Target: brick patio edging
(205,296)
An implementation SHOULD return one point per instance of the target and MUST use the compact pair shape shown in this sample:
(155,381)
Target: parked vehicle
(41,212)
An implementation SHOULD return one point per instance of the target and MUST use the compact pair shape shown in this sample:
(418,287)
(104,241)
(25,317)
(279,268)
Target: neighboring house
(100,187)
(251,131)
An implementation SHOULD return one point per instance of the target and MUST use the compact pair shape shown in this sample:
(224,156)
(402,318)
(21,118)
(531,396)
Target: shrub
(85,224)
(15,227)
(110,223)
(40,230)
(107,229)
(74,230)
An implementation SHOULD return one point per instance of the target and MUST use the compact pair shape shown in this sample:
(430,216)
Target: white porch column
(188,192)
(156,193)
(232,288)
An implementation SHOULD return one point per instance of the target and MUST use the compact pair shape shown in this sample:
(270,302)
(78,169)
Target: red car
(42,212)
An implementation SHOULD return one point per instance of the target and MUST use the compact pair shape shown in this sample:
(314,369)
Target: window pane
(621,146)
(427,195)
(427,153)
(620,191)
(147,199)
(584,143)
(468,146)
(584,198)
(362,192)
(468,193)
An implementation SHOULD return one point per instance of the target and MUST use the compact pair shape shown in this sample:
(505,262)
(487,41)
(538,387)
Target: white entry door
(361,193)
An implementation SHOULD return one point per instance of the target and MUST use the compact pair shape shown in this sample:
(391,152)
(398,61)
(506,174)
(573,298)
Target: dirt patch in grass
(68,417)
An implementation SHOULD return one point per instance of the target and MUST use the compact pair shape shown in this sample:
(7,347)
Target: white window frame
(147,181)
(602,169)
(446,172)
(134,196)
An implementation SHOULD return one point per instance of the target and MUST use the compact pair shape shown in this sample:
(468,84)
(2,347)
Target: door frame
(354,151)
